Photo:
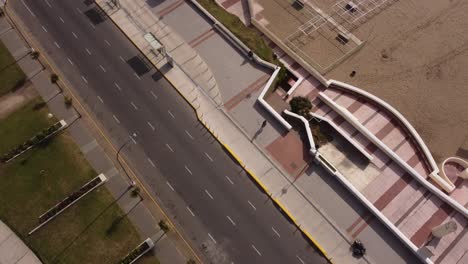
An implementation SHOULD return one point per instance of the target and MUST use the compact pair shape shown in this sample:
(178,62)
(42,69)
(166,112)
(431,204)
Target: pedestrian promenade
(13,250)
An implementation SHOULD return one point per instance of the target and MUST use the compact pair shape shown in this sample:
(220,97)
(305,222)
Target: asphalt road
(219,210)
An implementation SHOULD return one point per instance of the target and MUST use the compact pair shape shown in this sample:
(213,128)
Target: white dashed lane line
(84,79)
(230,220)
(27,7)
(300,259)
(61,19)
(169,147)
(134,141)
(102,68)
(154,95)
(56,44)
(70,61)
(190,211)
(107,42)
(229,180)
(100,99)
(118,86)
(78,10)
(212,238)
(122,59)
(43,28)
(151,126)
(188,170)
(170,113)
(116,119)
(151,162)
(170,186)
(209,157)
(276,232)
(47,2)
(209,194)
(134,105)
(189,135)
(256,250)
(136,75)
(89,52)
(252,205)
(92,25)
(74,35)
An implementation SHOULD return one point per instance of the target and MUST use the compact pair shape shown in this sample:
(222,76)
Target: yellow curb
(75,99)
(317,245)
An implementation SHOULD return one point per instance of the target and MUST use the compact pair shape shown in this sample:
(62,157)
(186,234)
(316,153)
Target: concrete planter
(69,201)
(50,131)
(138,252)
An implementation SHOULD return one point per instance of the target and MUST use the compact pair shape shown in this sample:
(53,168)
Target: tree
(68,101)
(301,106)
(163,225)
(54,78)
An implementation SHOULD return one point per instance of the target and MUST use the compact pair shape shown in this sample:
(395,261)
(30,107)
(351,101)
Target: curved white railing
(312,150)
(461,162)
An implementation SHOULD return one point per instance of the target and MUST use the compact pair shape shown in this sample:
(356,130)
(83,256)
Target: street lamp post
(131,182)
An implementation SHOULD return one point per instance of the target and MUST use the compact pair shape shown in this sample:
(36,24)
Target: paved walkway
(13,250)
(309,218)
(144,220)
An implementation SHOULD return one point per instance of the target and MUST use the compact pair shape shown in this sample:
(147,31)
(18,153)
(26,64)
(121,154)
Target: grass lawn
(10,72)
(23,124)
(37,180)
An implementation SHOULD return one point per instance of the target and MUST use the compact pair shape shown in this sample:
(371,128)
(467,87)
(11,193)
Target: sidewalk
(13,250)
(144,221)
(313,223)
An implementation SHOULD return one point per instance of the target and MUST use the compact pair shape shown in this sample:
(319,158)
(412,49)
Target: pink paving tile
(323,110)
(377,122)
(345,100)
(441,247)
(380,159)
(437,218)
(228,3)
(387,129)
(405,151)
(420,216)
(394,138)
(393,191)
(356,105)
(364,112)
(421,169)
(381,183)
(361,140)
(332,93)
(404,201)
(338,120)
(348,128)
(331,115)
(460,194)
(458,254)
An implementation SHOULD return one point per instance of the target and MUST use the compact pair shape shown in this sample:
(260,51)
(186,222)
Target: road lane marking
(70,61)
(134,105)
(27,7)
(84,79)
(209,194)
(107,42)
(122,59)
(211,237)
(188,134)
(151,162)
(92,25)
(78,10)
(43,28)
(155,96)
(190,211)
(118,87)
(169,147)
(100,99)
(102,68)
(47,2)
(229,180)
(256,250)
(230,220)
(188,170)
(150,125)
(134,141)
(56,44)
(116,119)
(276,232)
(73,33)
(61,19)
(138,77)
(170,186)
(170,113)
(252,205)
(89,52)
(300,259)
(208,156)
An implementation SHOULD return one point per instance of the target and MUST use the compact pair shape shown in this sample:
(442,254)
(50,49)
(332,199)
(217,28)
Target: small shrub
(68,101)
(54,78)
(35,55)
(191,261)
(19,83)
(163,225)
(2,13)
(135,192)
(301,106)
(39,106)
